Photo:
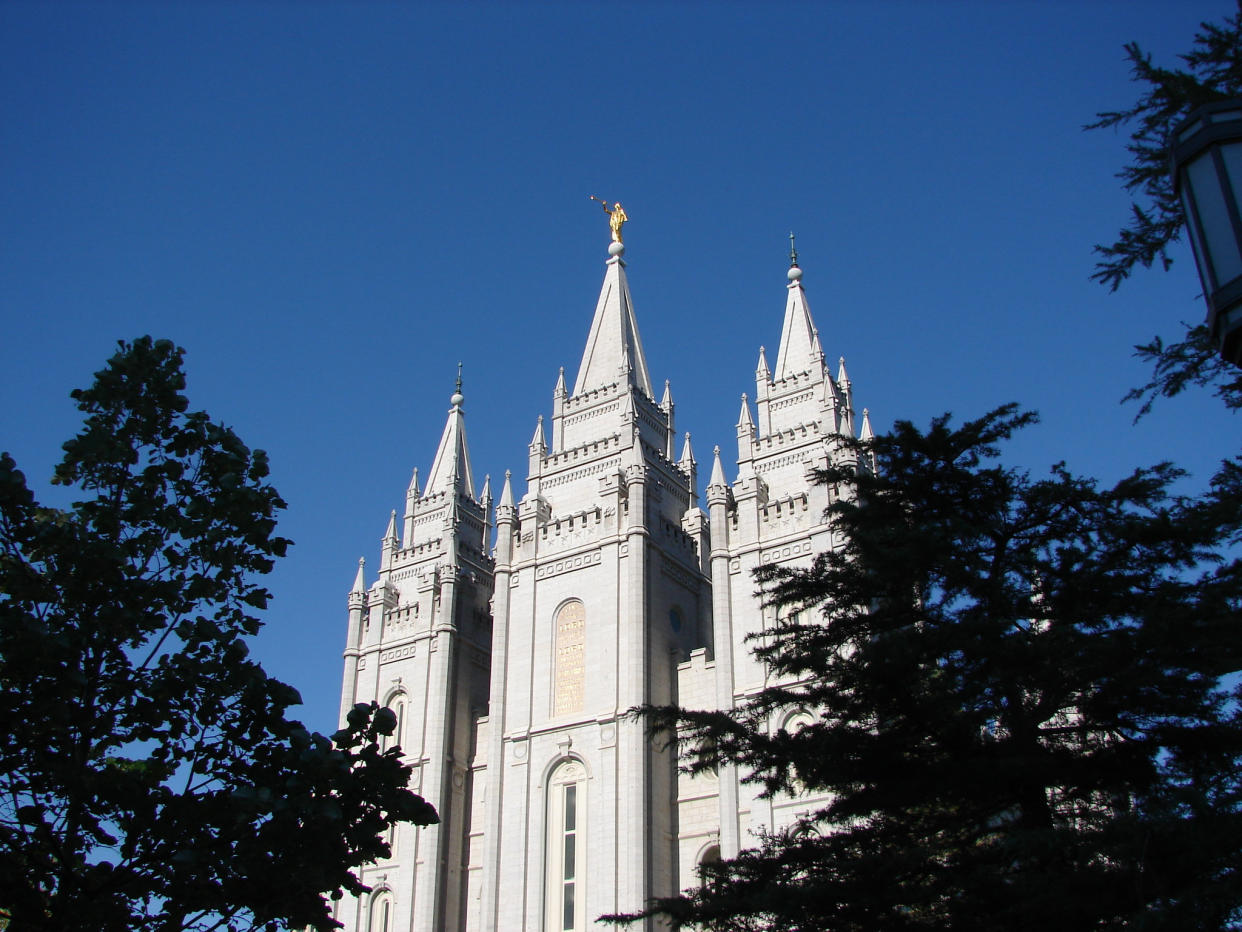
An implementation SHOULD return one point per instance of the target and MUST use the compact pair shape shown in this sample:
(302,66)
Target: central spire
(451,470)
(614,350)
(799,339)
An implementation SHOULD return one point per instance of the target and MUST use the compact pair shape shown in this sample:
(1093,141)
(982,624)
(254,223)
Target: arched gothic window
(794,722)
(380,917)
(396,701)
(566,851)
(710,855)
(569,660)
(789,615)
(707,748)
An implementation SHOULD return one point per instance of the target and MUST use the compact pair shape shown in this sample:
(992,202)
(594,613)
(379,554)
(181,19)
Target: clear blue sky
(329,204)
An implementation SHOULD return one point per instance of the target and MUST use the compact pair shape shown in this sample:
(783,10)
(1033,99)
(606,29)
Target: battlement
(430,501)
(591,396)
(790,436)
(797,380)
(419,552)
(587,450)
(571,523)
(674,534)
(780,508)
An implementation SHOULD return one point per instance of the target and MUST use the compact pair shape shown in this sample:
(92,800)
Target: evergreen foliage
(1213,71)
(1023,699)
(149,776)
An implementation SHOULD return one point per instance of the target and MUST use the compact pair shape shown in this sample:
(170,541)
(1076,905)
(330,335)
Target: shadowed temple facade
(510,635)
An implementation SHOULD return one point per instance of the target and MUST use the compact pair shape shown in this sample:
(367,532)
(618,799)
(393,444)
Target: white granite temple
(511,663)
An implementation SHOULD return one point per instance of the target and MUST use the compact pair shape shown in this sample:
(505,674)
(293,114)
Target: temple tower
(419,643)
(511,668)
(600,592)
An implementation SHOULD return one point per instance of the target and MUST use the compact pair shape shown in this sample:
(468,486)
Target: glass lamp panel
(1231,155)
(1192,227)
(1217,229)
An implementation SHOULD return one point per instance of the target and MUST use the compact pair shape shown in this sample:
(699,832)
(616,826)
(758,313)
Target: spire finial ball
(616,249)
(458,397)
(794,273)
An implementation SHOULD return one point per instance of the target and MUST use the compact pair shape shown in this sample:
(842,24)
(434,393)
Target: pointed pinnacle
(717,469)
(360,581)
(506,493)
(744,419)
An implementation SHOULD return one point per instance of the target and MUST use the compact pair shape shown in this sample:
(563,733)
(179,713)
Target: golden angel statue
(616,217)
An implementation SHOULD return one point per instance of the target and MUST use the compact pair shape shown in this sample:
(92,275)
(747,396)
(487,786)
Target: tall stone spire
(799,341)
(614,351)
(450,472)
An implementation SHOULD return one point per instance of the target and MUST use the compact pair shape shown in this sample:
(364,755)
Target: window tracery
(569,660)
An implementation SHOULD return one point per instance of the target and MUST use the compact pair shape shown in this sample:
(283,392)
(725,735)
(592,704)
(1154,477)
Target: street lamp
(1206,163)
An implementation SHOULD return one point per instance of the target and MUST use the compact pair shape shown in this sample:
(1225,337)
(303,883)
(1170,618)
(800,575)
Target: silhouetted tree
(1213,71)
(1019,691)
(149,776)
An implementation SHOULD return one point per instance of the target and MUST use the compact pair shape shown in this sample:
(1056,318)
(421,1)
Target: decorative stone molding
(404,652)
(787,552)
(593,470)
(590,558)
(607,734)
(681,576)
(792,400)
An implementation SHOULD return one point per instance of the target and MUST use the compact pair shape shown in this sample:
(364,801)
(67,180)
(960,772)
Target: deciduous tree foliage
(1018,715)
(149,776)
(1213,71)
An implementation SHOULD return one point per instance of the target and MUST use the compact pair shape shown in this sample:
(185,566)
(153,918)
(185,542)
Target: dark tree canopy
(1213,71)
(1018,719)
(149,776)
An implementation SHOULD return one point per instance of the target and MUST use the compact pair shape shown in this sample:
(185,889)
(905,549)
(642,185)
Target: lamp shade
(1206,165)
